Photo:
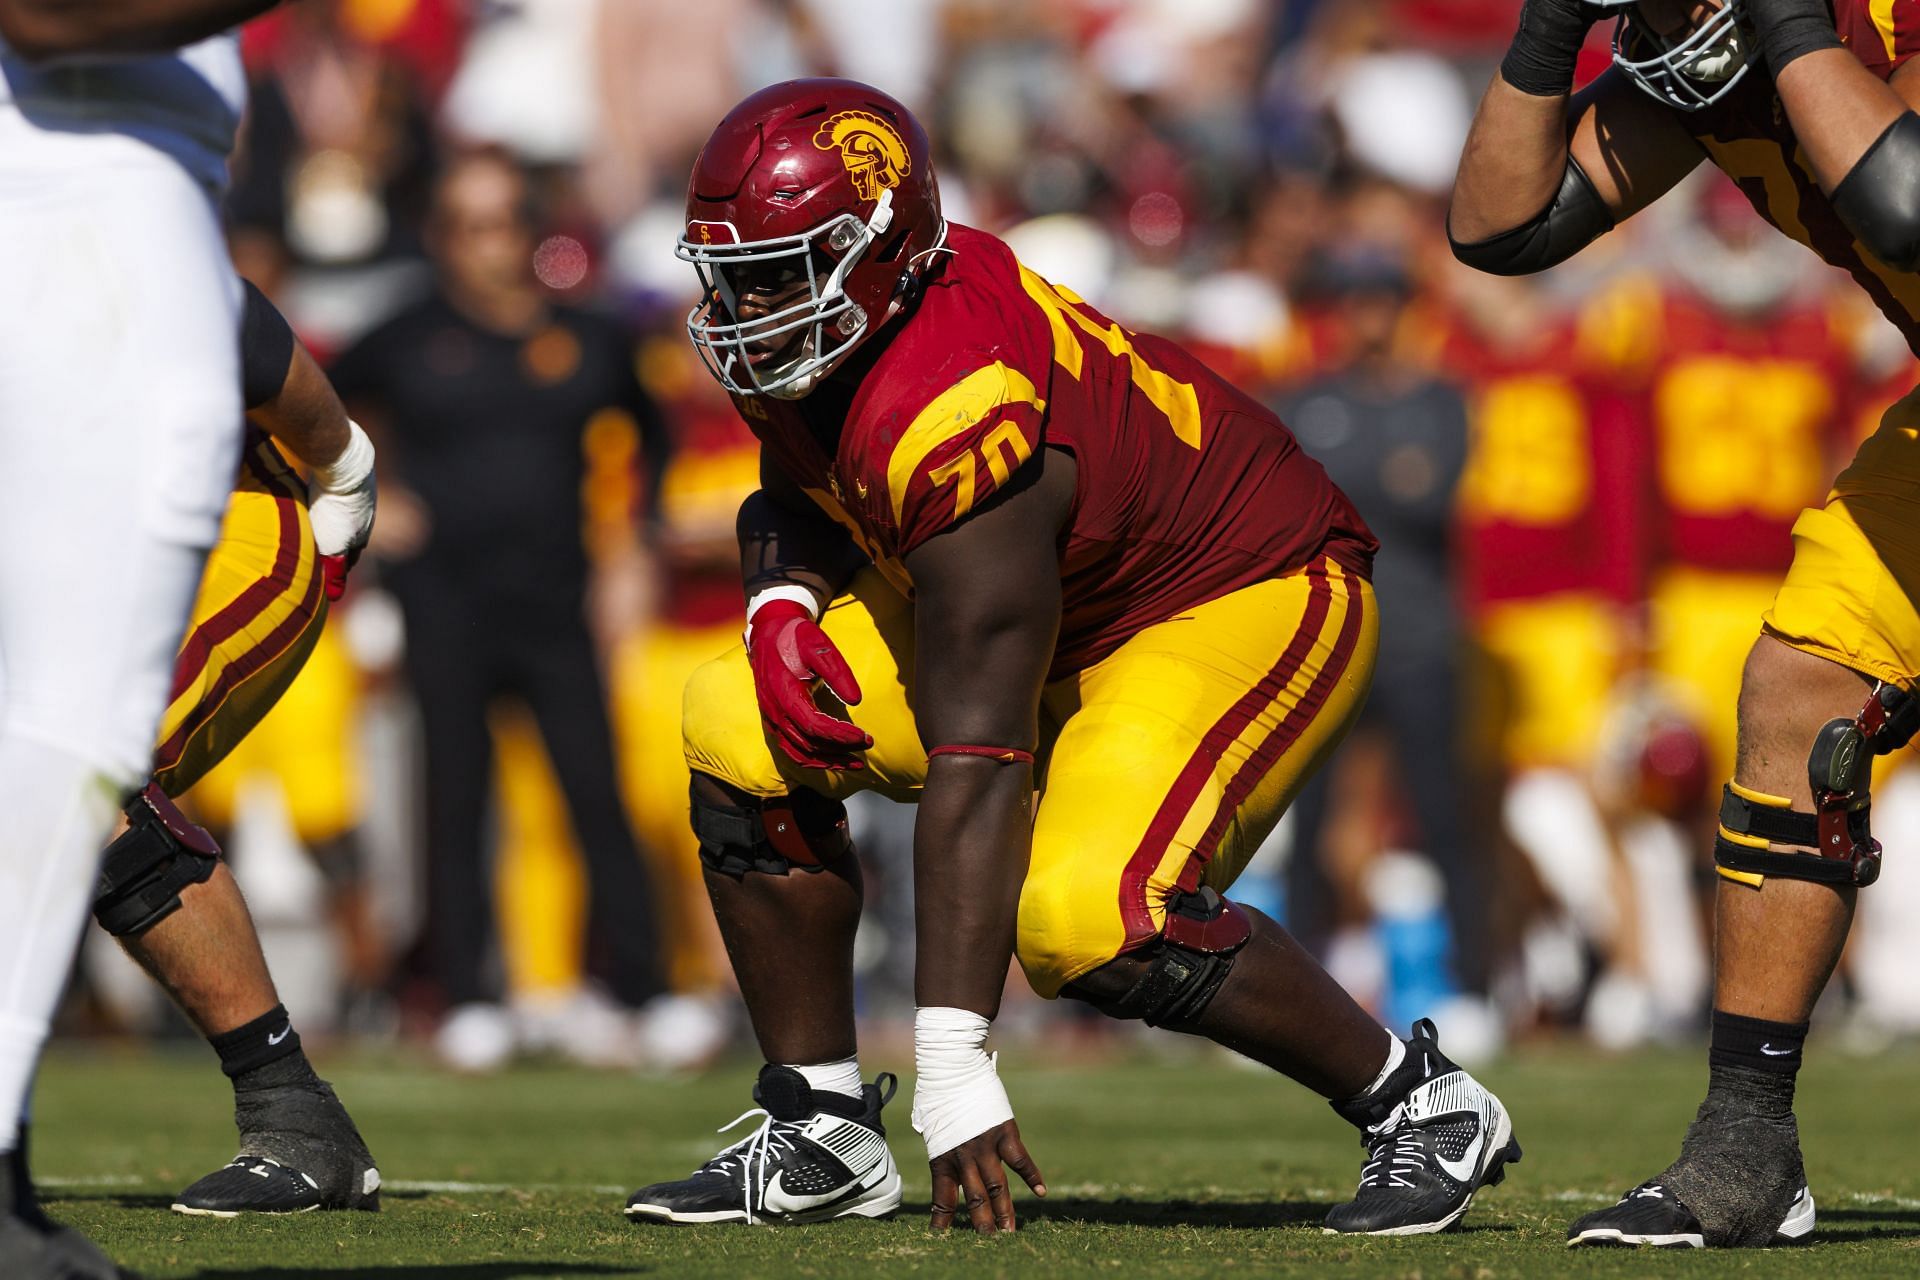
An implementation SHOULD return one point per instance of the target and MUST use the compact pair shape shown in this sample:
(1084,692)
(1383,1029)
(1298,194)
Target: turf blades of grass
(1187,1168)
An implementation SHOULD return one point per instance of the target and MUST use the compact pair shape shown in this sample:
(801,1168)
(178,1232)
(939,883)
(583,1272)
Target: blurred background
(1584,483)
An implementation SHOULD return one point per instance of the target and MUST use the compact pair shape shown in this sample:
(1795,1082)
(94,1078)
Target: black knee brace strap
(1185,965)
(1839,773)
(773,836)
(144,872)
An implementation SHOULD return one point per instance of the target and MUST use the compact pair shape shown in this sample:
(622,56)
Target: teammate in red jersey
(1550,549)
(1103,576)
(1808,107)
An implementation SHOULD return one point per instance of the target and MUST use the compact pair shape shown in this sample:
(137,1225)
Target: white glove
(340,498)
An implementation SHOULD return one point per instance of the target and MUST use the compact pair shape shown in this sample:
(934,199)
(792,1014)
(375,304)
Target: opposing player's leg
(119,420)
(174,906)
(1821,694)
(786,891)
(1175,758)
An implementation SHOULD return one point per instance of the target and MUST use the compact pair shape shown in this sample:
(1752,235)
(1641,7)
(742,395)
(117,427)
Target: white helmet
(1691,71)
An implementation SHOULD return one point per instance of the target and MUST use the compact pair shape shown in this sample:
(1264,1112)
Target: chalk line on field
(105,1180)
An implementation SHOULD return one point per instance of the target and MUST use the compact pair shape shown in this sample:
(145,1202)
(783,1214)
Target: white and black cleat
(1650,1215)
(816,1156)
(1434,1136)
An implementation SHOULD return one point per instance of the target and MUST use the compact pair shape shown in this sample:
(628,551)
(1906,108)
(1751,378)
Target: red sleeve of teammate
(961,448)
(1883,36)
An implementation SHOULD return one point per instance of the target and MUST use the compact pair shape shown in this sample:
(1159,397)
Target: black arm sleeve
(266,348)
(1572,220)
(1879,199)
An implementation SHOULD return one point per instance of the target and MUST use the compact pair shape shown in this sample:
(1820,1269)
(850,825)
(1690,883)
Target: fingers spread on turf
(1014,1152)
(973,1188)
(946,1192)
(999,1199)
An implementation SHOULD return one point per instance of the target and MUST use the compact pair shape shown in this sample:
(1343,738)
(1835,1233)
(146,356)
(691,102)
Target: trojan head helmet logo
(869,147)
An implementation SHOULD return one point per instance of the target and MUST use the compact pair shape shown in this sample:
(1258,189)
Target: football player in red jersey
(1006,549)
(1808,107)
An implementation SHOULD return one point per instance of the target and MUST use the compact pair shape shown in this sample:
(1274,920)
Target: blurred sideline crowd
(1583,484)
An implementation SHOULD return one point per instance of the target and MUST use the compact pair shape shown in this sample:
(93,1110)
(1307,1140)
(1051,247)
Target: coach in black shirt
(482,393)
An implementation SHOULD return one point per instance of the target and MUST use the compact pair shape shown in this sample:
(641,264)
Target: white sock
(59,809)
(1396,1054)
(834,1077)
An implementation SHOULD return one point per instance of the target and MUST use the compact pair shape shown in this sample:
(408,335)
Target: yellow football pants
(259,613)
(1163,766)
(1850,594)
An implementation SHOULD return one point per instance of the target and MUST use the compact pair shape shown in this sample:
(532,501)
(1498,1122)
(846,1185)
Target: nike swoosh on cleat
(1467,1168)
(280,1035)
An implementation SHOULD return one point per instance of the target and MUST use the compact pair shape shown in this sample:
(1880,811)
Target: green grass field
(1156,1169)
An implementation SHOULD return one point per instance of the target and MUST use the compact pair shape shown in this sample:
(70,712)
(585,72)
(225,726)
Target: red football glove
(333,574)
(789,651)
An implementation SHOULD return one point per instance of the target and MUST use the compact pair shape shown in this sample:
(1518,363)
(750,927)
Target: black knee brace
(1170,981)
(773,836)
(1840,774)
(143,872)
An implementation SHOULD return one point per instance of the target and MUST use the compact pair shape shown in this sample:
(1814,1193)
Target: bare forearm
(1838,109)
(62,28)
(969,858)
(1515,155)
(779,544)
(306,416)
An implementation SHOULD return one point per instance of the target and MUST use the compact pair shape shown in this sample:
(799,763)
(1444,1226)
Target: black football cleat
(250,1184)
(299,1151)
(1434,1136)
(1651,1215)
(815,1157)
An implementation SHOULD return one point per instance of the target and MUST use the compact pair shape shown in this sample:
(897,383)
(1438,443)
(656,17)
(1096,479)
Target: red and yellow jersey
(1747,419)
(1548,503)
(1747,134)
(1187,489)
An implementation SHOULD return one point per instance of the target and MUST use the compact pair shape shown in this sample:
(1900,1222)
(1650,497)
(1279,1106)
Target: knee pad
(803,830)
(1170,981)
(1840,775)
(144,872)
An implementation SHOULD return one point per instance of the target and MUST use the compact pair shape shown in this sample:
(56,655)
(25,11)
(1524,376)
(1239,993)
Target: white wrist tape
(348,472)
(340,501)
(767,595)
(957,1094)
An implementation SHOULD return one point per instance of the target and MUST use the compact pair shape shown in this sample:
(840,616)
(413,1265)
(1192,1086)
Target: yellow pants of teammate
(257,621)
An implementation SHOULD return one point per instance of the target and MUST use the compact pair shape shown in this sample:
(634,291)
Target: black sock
(267,1039)
(1756,1044)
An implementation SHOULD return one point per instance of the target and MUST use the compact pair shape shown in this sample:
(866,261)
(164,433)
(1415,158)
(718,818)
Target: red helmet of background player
(811,212)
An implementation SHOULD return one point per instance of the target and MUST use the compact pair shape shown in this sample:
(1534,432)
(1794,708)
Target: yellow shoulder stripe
(954,411)
(1882,11)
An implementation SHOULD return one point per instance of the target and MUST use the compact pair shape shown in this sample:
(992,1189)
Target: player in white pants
(120,427)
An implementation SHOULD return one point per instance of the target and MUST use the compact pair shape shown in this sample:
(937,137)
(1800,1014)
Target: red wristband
(1003,755)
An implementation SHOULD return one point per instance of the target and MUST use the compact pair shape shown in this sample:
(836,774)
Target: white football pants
(120,423)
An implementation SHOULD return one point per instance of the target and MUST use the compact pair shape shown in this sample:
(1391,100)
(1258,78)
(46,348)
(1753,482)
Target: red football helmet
(822,183)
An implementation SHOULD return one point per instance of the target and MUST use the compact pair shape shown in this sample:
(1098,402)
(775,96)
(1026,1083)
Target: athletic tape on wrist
(767,595)
(348,472)
(957,1094)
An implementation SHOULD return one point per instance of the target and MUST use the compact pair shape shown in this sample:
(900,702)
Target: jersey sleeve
(1882,35)
(959,449)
